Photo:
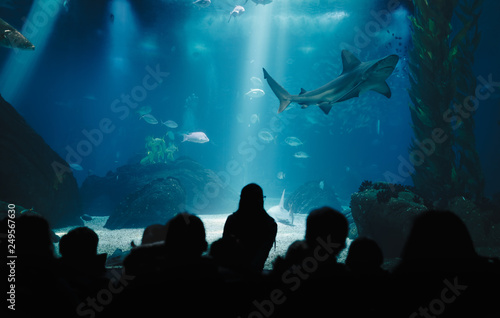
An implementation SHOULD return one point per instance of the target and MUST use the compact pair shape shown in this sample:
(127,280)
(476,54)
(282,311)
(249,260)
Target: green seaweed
(440,66)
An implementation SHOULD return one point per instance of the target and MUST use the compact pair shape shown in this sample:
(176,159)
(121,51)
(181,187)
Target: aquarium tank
(121,114)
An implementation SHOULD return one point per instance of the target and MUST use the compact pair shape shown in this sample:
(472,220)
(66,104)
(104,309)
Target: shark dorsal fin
(282,201)
(349,61)
(302,91)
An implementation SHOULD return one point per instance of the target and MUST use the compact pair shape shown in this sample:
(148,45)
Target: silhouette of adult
(364,260)
(171,277)
(252,228)
(39,289)
(314,283)
(441,274)
(80,265)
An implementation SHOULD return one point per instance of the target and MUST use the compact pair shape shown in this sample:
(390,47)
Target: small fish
(150,119)
(256,82)
(263,2)
(301,155)
(170,124)
(196,137)
(255,93)
(281,175)
(322,184)
(293,141)
(75,166)
(378,126)
(254,119)
(144,110)
(170,135)
(265,135)
(237,11)
(202,3)
(10,37)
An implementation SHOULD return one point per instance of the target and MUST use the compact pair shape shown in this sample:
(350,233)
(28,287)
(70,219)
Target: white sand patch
(110,240)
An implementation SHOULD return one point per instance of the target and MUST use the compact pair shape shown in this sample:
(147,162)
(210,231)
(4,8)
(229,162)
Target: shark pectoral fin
(325,107)
(302,91)
(349,61)
(383,89)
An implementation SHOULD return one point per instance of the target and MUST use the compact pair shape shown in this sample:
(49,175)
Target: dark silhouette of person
(251,228)
(313,282)
(80,265)
(365,259)
(171,277)
(440,273)
(39,288)
(152,234)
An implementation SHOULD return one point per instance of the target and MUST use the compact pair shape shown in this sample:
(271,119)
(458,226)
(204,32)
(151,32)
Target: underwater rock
(386,217)
(479,221)
(157,202)
(205,191)
(33,175)
(310,196)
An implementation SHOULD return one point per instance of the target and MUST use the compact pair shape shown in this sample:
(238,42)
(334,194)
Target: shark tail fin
(283,96)
(184,137)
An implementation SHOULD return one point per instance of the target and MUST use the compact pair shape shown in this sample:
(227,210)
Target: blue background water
(91,53)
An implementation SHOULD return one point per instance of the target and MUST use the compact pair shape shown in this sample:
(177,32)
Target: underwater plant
(156,151)
(440,73)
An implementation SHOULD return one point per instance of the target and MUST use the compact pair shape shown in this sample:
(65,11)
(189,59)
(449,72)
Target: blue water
(97,62)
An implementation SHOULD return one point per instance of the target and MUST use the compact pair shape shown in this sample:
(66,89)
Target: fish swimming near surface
(263,2)
(150,119)
(196,137)
(255,93)
(202,3)
(237,11)
(10,37)
(357,77)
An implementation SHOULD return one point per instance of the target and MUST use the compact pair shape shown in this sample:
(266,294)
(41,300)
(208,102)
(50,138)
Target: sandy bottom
(110,240)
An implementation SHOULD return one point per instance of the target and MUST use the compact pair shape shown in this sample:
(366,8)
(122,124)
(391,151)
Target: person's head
(80,242)
(438,235)
(364,254)
(326,225)
(251,197)
(33,236)
(185,235)
(154,233)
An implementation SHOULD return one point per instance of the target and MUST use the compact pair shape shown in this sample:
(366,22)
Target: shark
(11,38)
(356,78)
